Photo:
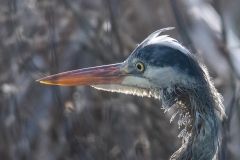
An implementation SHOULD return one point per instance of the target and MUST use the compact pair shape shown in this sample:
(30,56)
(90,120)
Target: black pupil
(139,67)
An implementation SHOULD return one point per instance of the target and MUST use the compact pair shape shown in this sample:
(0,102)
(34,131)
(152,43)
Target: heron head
(158,62)
(162,68)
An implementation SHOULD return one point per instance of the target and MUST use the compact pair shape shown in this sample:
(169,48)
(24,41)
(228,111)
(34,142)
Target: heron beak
(107,74)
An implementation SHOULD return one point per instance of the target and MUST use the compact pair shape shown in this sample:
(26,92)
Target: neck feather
(200,110)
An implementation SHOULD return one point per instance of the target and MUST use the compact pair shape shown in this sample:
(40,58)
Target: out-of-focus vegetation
(43,37)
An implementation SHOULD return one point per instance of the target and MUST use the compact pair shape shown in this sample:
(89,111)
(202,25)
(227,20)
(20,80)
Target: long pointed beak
(107,74)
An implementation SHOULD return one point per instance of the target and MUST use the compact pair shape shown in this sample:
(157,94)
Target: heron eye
(140,66)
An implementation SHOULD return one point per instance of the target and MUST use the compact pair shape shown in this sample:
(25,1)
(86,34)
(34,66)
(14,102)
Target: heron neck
(201,133)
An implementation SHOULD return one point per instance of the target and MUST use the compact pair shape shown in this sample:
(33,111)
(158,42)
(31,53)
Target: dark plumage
(160,67)
(164,56)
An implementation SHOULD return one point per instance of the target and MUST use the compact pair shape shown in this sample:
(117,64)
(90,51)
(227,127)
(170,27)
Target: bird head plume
(162,68)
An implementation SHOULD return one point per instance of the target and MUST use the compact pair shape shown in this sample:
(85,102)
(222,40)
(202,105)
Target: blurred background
(43,37)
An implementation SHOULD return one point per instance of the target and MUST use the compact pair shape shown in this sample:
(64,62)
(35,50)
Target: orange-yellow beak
(108,74)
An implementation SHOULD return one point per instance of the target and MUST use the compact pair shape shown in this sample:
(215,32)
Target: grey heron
(160,67)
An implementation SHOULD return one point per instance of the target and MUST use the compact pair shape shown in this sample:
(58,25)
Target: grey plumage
(199,104)
(167,71)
